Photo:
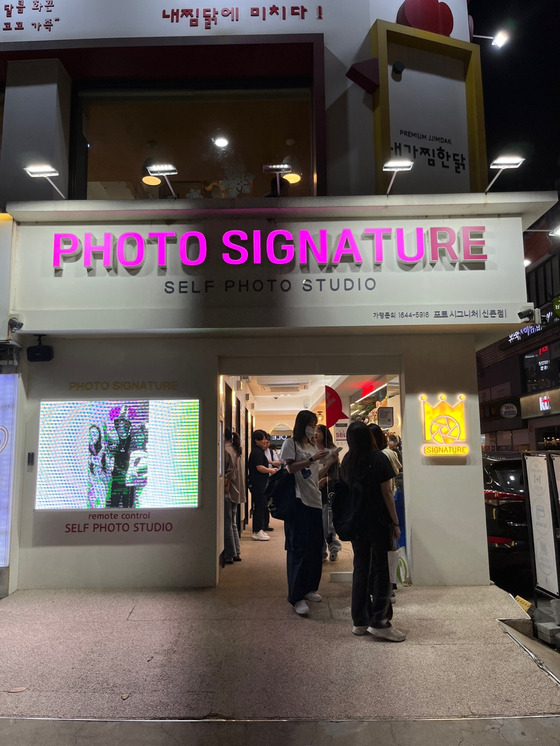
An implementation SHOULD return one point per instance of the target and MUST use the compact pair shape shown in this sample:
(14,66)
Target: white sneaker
(313,596)
(359,630)
(301,607)
(261,536)
(387,633)
(393,597)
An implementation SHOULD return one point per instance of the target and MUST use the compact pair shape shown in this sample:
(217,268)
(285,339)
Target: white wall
(47,557)
(444,499)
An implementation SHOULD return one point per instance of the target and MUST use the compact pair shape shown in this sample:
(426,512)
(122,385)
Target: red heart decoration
(426,15)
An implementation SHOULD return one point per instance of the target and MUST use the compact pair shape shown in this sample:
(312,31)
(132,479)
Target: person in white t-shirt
(304,531)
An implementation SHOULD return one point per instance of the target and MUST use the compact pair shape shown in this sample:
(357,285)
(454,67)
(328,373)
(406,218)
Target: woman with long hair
(368,471)
(304,531)
(98,471)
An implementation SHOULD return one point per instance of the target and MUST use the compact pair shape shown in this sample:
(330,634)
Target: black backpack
(280,494)
(348,509)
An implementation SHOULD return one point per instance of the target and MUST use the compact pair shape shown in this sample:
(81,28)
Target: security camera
(15,323)
(528,313)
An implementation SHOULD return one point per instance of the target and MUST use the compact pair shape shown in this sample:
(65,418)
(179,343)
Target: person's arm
(294,466)
(387,495)
(266,469)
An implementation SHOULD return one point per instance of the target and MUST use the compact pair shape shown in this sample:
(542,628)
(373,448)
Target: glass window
(216,141)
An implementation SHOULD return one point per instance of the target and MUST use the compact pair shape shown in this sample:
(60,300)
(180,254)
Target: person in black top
(259,470)
(368,474)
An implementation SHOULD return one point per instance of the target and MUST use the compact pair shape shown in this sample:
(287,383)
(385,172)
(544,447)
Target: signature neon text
(277,247)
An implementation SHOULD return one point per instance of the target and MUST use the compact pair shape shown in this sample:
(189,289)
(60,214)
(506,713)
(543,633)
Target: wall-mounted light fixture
(44,171)
(279,169)
(154,170)
(503,163)
(396,165)
(498,40)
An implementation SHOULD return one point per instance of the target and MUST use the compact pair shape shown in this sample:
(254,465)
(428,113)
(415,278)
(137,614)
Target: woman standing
(304,531)
(367,470)
(234,495)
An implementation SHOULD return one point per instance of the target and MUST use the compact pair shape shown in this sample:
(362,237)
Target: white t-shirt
(307,480)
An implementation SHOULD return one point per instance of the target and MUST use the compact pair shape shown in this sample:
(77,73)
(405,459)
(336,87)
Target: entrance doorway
(271,402)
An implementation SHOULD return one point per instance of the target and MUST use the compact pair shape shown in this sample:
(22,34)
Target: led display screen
(118,454)
(8,394)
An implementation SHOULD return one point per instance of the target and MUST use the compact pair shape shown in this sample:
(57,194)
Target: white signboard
(54,20)
(236,273)
(429,121)
(544,541)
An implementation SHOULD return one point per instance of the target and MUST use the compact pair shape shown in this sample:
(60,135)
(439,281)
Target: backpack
(348,509)
(280,494)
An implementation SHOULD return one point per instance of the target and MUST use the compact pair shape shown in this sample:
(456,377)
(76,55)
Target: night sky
(522,88)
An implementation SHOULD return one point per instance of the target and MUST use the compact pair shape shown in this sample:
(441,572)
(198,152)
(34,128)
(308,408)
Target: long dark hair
(328,441)
(236,443)
(360,447)
(303,419)
(379,436)
(95,447)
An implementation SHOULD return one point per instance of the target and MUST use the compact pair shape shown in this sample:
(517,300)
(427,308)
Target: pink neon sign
(279,247)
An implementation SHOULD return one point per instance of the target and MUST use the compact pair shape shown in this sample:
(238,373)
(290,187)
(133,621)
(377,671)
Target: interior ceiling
(290,394)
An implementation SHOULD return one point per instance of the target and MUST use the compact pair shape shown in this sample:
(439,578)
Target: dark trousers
(371,584)
(304,547)
(259,509)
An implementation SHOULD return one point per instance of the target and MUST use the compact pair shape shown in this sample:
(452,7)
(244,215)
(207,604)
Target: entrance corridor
(232,657)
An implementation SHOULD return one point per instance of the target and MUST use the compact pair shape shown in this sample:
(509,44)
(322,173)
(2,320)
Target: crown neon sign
(444,430)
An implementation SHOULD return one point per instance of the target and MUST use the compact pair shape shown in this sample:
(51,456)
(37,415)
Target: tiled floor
(236,664)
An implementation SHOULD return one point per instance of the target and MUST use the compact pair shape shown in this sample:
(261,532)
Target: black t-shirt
(257,481)
(377,522)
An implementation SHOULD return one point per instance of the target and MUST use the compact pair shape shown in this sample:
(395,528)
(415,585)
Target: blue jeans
(232,547)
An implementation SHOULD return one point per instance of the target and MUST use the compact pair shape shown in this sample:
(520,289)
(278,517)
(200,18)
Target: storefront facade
(149,306)
(148,303)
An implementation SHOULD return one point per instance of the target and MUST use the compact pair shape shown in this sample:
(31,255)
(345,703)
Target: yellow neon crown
(444,423)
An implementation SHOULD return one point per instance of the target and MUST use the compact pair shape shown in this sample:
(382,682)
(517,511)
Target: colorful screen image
(97,455)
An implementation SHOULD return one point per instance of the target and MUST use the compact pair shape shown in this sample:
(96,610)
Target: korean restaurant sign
(253,271)
(54,20)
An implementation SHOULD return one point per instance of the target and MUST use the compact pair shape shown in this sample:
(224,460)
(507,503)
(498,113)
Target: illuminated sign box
(134,454)
(444,430)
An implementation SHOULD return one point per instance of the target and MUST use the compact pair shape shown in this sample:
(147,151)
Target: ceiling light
(293,176)
(526,262)
(555,231)
(220,141)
